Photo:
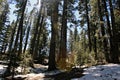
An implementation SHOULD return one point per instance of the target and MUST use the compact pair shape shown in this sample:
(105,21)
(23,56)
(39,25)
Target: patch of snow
(101,72)
(39,68)
(19,69)
(31,76)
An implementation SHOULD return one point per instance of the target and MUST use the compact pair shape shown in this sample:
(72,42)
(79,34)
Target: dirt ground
(65,75)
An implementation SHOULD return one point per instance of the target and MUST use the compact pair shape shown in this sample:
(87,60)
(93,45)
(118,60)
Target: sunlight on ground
(101,72)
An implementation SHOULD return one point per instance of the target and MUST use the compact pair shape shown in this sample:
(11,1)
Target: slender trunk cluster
(19,35)
(103,31)
(32,51)
(88,26)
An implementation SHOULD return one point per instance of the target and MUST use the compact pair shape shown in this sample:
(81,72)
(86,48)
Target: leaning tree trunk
(19,32)
(21,26)
(10,48)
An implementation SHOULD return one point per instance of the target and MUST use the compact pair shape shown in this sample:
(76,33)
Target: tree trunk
(114,48)
(38,36)
(63,41)
(108,26)
(88,25)
(54,21)
(103,31)
(118,4)
(27,37)
(19,32)
(10,47)
(21,26)
(95,42)
(32,51)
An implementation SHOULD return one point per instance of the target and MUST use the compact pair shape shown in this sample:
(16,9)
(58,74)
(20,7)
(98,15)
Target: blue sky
(33,2)
(12,16)
(12,8)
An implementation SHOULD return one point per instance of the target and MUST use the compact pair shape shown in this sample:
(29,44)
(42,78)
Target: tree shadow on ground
(41,73)
(67,75)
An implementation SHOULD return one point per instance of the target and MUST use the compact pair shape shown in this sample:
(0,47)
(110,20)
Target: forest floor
(99,72)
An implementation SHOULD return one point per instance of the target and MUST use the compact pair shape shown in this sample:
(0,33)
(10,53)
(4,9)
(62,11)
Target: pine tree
(115,50)
(54,21)
(33,41)
(88,25)
(103,30)
(63,41)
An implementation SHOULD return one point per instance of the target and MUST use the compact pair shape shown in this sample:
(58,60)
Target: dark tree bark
(108,26)
(54,21)
(38,38)
(115,50)
(18,35)
(27,37)
(3,26)
(118,4)
(10,47)
(103,31)
(21,26)
(32,51)
(88,25)
(95,42)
